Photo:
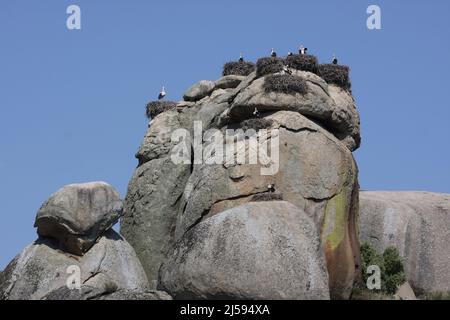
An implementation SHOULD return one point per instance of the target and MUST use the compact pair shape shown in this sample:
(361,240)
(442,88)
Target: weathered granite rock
(417,224)
(157,141)
(91,293)
(151,205)
(316,173)
(330,105)
(160,182)
(269,250)
(110,265)
(136,295)
(77,214)
(199,90)
(230,81)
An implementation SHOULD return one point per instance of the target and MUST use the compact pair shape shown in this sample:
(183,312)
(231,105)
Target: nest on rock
(256,124)
(238,68)
(268,65)
(156,107)
(267,196)
(285,83)
(303,63)
(336,74)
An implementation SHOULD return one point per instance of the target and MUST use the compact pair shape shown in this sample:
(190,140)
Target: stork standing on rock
(302,50)
(256,112)
(271,187)
(273,54)
(241,58)
(162,93)
(335,60)
(286,70)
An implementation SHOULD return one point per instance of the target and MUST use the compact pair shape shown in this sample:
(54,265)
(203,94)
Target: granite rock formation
(317,131)
(417,224)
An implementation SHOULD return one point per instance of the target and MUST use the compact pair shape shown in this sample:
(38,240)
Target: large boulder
(316,171)
(41,268)
(260,250)
(77,214)
(417,224)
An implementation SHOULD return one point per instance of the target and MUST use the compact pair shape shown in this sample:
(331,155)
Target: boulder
(77,214)
(199,90)
(331,106)
(315,172)
(405,292)
(416,223)
(41,268)
(269,250)
(227,82)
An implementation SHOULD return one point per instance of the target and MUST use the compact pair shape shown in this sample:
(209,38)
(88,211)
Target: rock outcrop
(417,224)
(228,255)
(76,239)
(87,292)
(316,172)
(77,214)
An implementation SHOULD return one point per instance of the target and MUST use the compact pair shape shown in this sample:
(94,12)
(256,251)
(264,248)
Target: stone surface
(317,172)
(151,205)
(268,250)
(230,81)
(405,292)
(417,224)
(330,105)
(91,293)
(136,295)
(110,265)
(157,141)
(77,214)
(199,90)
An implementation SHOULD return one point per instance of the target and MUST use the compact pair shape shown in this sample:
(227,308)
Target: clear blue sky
(72,102)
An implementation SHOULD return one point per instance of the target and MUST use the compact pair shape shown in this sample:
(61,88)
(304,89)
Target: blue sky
(72,102)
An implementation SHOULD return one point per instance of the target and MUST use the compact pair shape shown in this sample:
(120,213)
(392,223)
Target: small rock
(199,90)
(229,82)
(405,292)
